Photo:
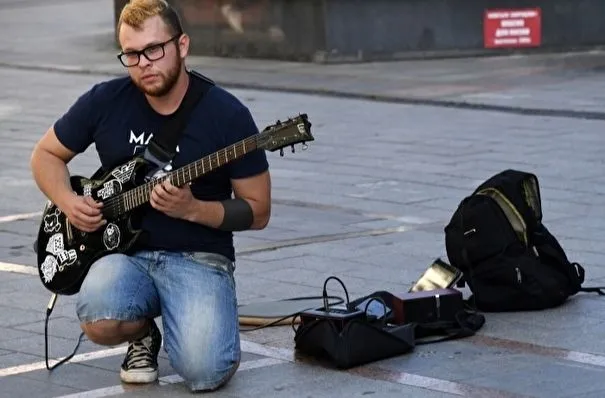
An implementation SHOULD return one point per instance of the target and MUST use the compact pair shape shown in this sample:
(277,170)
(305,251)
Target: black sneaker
(141,362)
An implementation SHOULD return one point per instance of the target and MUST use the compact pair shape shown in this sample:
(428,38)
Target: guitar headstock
(287,133)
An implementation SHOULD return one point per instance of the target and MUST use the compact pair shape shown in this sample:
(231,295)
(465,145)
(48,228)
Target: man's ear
(184,45)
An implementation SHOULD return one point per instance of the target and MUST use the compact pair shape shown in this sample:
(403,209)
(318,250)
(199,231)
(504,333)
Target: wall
(365,30)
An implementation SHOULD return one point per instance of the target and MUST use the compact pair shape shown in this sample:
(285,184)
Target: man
(183,269)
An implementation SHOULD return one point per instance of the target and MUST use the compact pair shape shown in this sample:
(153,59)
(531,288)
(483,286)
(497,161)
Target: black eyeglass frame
(138,53)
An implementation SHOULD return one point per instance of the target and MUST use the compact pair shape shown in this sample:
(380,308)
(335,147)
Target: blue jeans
(193,292)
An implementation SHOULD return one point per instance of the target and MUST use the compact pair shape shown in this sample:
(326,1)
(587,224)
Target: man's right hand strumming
(83,212)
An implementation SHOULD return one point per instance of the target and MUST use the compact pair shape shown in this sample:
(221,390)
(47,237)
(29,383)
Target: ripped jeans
(193,292)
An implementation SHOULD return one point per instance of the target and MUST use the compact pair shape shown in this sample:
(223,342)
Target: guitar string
(206,163)
(130,196)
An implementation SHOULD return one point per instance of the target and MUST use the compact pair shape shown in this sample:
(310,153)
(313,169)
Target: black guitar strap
(162,147)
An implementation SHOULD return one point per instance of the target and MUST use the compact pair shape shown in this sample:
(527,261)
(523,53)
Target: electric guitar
(65,253)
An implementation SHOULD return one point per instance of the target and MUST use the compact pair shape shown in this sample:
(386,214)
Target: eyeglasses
(152,53)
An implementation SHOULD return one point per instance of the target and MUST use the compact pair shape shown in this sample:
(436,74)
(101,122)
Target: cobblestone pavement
(366,202)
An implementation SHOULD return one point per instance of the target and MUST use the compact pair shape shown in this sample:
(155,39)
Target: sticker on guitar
(51,221)
(123,173)
(49,268)
(110,188)
(67,257)
(111,236)
(55,246)
(87,190)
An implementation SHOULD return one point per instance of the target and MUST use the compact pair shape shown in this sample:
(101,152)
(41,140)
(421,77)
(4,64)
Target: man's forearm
(231,215)
(208,213)
(51,176)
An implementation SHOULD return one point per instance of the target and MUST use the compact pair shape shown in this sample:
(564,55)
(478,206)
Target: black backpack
(509,259)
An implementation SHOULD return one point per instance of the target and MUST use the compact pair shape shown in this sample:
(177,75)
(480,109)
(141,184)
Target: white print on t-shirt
(141,141)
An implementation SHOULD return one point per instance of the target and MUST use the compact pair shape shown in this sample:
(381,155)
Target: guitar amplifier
(425,306)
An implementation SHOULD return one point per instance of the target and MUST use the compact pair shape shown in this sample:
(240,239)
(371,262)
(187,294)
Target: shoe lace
(140,353)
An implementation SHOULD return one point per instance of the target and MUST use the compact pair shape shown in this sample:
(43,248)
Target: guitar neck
(141,194)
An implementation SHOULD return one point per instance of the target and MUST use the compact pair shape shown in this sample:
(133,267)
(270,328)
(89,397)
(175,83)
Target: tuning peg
(281,152)
(304,146)
(293,149)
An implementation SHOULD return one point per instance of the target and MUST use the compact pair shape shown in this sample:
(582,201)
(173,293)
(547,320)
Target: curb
(324,92)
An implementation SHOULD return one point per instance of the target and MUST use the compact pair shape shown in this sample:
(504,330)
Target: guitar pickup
(69,232)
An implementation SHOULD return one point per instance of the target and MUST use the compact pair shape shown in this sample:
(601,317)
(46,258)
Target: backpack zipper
(519,279)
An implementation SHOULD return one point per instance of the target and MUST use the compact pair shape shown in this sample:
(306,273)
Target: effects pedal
(340,315)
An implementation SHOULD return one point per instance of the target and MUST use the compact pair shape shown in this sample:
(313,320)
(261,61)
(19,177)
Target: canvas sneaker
(141,362)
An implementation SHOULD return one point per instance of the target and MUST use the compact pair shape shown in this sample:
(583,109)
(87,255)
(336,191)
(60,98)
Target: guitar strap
(162,147)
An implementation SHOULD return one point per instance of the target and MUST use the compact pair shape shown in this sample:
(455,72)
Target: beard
(166,81)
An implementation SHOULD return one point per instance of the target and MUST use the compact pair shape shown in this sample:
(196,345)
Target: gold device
(439,275)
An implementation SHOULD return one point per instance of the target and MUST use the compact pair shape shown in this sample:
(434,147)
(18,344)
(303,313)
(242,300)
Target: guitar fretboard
(141,194)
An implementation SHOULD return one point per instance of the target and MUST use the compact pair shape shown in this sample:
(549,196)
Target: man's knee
(113,332)
(206,374)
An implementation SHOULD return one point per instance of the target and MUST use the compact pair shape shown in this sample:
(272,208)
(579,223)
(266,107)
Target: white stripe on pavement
(8,109)
(88,356)
(172,379)
(17,217)
(18,268)
(247,346)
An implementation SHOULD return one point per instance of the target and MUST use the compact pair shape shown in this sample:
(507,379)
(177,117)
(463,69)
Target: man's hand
(171,200)
(84,213)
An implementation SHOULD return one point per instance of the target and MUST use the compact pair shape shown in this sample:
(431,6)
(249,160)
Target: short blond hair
(136,12)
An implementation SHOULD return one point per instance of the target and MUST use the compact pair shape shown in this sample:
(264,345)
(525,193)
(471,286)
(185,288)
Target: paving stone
(254,286)
(599,392)
(462,361)
(57,327)
(291,380)
(9,278)
(19,257)
(243,242)
(584,377)
(74,374)
(58,346)
(401,270)
(13,334)
(308,262)
(12,282)
(575,338)
(11,358)
(14,316)
(22,387)
(246,266)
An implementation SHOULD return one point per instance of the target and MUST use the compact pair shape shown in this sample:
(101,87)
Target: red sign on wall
(512,28)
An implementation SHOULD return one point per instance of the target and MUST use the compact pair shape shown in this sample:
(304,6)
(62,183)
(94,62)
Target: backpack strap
(593,289)
(466,324)
(575,272)
(162,147)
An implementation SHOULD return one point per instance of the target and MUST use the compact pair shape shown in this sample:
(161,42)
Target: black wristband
(238,215)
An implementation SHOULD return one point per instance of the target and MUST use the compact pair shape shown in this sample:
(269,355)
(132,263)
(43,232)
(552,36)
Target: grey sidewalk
(363,176)
(366,202)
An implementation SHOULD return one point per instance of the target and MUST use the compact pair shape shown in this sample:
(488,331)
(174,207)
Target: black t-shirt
(116,117)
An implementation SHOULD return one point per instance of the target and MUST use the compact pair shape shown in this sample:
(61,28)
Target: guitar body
(65,253)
